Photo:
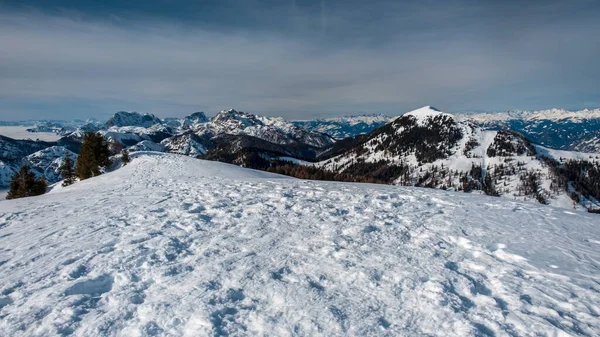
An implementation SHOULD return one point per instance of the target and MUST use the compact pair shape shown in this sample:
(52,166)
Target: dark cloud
(295,58)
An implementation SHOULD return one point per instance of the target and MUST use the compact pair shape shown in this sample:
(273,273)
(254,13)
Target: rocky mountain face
(124,118)
(344,127)
(19,148)
(187,143)
(271,129)
(44,163)
(555,128)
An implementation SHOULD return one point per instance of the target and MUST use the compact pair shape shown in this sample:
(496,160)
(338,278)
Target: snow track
(174,246)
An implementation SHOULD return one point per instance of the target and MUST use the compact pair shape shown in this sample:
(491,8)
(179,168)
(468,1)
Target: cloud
(71,65)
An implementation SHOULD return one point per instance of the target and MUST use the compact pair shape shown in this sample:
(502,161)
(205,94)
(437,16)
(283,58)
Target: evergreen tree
(93,156)
(67,170)
(125,157)
(24,184)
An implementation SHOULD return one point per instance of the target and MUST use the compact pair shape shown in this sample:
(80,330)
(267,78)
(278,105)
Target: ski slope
(173,246)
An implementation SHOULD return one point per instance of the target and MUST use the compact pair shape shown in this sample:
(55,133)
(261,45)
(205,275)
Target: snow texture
(173,246)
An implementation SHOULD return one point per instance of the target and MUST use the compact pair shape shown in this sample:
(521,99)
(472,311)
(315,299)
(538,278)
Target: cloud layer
(308,62)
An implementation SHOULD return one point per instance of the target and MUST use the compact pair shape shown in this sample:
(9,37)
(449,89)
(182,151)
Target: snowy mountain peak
(124,118)
(426,113)
(272,129)
(199,117)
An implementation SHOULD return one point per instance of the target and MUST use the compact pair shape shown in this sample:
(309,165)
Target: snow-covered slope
(347,126)
(556,128)
(169,245)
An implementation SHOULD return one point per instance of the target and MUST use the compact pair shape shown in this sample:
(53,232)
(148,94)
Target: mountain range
(483,153)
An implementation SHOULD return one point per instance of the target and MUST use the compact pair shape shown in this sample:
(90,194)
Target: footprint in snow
(98,285)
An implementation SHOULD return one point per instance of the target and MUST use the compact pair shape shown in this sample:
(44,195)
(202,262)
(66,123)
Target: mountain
(272,129)
(131,135)
(344,127)
(209,249)
(188,144)
(230,136)
(430,148)
(124,118)
(19,148)
(186,122)
(555,128)
(44,163)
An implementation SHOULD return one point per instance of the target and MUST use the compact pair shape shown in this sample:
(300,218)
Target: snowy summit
(426,112)
(174,246)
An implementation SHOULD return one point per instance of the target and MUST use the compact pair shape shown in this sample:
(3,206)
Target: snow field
(173,246)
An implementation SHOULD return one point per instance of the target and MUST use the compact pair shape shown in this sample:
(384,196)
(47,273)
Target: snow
(171,245)
(346,126)
(567,155)
(425,112)
(20,132)
(533,115)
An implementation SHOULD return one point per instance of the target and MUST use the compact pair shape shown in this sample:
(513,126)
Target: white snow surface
(173,246)
(422,114)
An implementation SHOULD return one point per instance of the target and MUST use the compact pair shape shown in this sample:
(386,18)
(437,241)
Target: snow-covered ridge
(345,126)
(351,119)
(529,115)
(170,245)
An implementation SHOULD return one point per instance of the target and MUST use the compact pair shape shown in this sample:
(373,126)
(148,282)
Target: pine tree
(24,184)
(93,156)
(67,170)
(125,157)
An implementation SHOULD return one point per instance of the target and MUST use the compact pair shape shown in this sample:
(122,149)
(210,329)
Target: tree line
(93,158)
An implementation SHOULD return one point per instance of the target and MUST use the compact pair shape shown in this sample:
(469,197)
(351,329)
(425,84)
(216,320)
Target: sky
(298,59)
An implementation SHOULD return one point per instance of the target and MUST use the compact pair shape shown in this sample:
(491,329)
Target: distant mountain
(344,127)
(229,136)
(272,129)
(556,128)
(186,122)
(19,148)
(188,144)
(124,118)
(44,163)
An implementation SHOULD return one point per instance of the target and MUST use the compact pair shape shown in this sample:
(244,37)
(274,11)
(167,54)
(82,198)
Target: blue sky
(295,58)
